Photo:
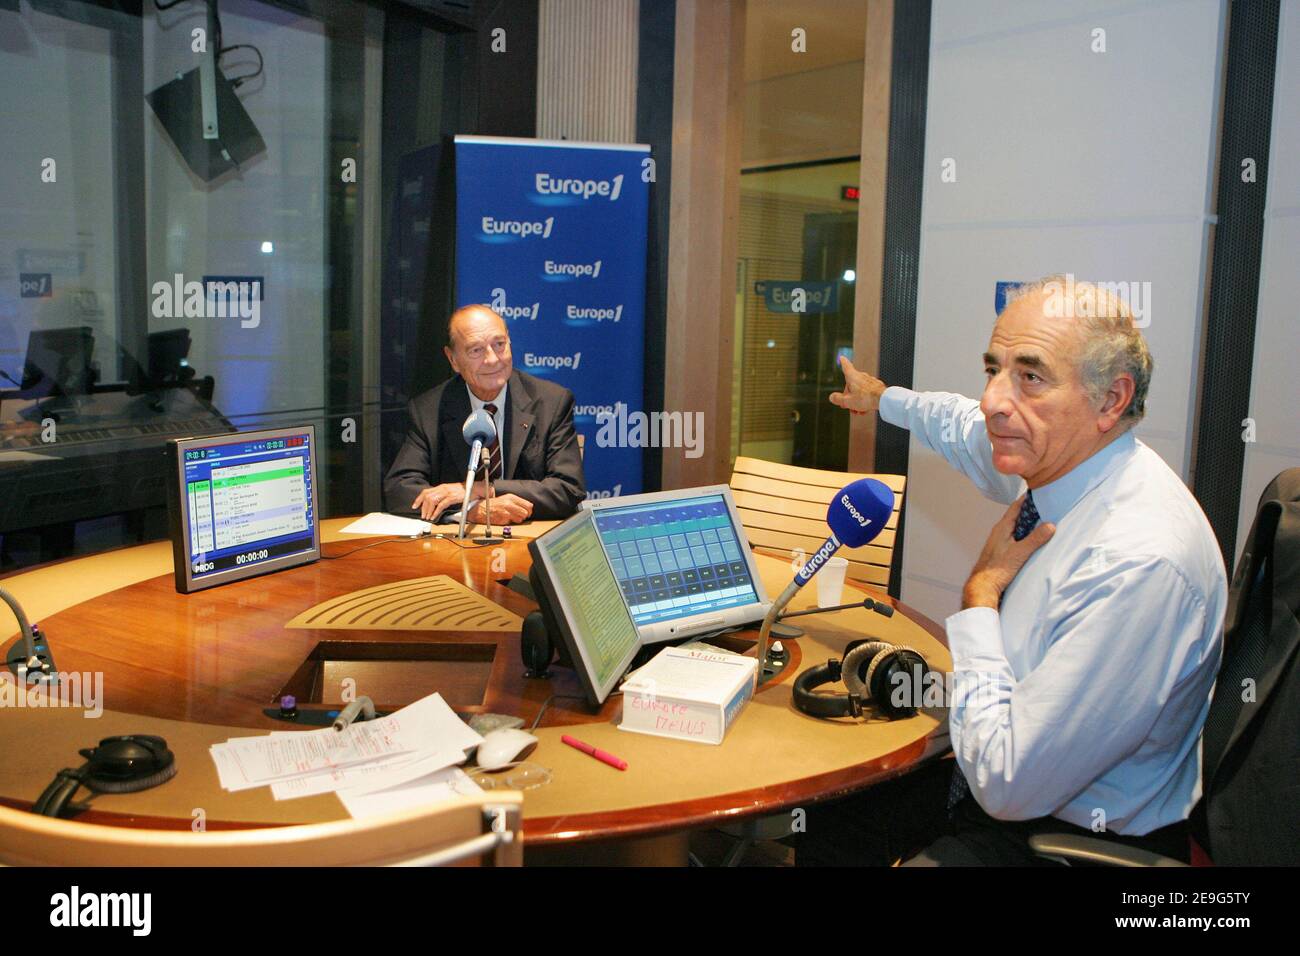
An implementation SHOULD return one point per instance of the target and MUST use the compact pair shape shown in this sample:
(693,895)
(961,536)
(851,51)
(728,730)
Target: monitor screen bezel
(539,549)
(185,580)
(707,621)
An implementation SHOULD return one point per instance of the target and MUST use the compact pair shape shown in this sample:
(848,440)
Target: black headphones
(871,671)
(118,765)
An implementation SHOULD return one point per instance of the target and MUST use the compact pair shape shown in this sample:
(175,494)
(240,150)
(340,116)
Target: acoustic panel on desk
(435,603)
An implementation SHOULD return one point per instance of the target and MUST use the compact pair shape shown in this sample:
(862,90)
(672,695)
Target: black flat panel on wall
(442,76)
(1234,276)
(654,127)
(504,68)
(908,89)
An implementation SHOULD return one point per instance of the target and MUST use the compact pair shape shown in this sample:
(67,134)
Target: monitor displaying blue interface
(243,504)
(678,557)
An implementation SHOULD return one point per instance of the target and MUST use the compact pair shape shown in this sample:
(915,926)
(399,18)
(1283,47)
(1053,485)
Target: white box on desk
(688,694)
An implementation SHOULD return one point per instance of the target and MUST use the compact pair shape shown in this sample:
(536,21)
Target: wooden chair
(783,509)
(479,830)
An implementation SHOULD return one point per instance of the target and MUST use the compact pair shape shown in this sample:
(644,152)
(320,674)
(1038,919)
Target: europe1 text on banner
(552,235)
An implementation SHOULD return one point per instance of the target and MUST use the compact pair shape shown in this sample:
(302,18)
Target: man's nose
(997,396)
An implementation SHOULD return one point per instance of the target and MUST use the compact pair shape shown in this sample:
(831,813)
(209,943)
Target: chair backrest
(479,830)
(1250,810)
(783,509)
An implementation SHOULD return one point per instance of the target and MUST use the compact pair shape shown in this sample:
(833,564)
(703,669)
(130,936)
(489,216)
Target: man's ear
(1118,398)
(451,359)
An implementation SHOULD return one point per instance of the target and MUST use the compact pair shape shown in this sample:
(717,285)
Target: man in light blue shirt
(1091,624)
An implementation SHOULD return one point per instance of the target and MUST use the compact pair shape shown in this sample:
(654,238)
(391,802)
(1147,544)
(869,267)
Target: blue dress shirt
(1083,696)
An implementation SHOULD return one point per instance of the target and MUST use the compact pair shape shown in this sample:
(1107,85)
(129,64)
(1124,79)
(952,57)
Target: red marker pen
(616,762)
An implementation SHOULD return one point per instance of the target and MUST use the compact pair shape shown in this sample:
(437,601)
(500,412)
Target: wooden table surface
(200,668)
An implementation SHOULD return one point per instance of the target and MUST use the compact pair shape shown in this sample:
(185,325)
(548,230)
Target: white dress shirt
(1084,695)
(499,419)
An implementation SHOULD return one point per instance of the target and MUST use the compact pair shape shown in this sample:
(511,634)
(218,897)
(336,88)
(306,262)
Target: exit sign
(850,193)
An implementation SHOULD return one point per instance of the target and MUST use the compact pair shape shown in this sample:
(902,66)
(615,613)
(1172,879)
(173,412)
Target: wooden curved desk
(200,668)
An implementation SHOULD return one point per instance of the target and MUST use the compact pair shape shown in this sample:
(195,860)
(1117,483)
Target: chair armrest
(1067,848)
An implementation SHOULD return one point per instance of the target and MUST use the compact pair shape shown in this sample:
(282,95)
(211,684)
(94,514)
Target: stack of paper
(405,759)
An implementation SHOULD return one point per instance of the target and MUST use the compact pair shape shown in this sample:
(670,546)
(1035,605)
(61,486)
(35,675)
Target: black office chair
(1249,811)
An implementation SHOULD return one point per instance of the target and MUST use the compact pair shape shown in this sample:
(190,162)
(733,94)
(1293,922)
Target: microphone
(30,658)
(857,514)
(479,430)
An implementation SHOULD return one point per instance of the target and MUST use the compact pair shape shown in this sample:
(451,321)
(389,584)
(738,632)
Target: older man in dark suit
(536,465)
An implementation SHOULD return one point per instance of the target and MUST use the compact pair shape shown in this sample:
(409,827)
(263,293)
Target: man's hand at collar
(1001,560)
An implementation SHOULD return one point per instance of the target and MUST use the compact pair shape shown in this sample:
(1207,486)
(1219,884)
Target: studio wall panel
(1051,148)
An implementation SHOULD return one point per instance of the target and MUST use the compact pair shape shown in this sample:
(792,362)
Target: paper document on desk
(426,728)
(377,523)
(435,788)
(368,777)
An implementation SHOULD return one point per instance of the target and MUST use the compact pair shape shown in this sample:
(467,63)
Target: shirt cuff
(975,640)
(893,405)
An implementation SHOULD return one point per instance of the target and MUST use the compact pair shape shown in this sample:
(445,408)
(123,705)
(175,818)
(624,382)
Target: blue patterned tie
(1025,522)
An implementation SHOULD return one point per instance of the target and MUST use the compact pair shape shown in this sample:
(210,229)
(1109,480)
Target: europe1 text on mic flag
(857,514)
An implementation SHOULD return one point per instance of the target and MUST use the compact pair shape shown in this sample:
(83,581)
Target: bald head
(467,316)
(479,349)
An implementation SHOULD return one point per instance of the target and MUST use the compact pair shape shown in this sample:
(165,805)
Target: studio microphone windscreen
(859,511)
(479,427)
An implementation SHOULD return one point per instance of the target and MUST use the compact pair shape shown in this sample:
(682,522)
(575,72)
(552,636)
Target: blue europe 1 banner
(552,235)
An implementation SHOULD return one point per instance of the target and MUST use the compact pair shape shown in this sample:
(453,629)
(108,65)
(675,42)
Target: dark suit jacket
(539,447)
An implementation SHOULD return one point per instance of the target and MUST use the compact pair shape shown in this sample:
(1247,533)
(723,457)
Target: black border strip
(909,81)
(1234,277)
(656,39)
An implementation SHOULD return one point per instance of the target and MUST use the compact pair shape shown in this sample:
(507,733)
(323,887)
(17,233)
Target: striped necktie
(1025,522)
(494,448)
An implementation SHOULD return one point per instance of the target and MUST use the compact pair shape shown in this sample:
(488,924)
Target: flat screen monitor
(582,596)
(58,362)
(242,504)
(682,560)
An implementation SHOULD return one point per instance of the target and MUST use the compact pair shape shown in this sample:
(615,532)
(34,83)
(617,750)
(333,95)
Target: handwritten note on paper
(427,727)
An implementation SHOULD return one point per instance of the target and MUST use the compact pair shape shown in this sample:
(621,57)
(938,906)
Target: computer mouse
(502,747)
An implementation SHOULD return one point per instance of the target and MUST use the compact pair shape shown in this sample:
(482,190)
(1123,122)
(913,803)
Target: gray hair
(1111,346)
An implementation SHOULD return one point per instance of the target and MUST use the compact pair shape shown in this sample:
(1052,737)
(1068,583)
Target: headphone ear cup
(901,668)
(808,701)
(857,663)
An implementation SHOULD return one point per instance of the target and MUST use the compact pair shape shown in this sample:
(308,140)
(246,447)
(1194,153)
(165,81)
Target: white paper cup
(830,582)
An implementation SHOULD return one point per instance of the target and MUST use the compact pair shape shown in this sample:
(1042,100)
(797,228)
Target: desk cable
(547,704)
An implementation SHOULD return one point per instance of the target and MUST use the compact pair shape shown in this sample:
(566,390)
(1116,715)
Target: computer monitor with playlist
(682,560)
(242,504)
(581,597)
